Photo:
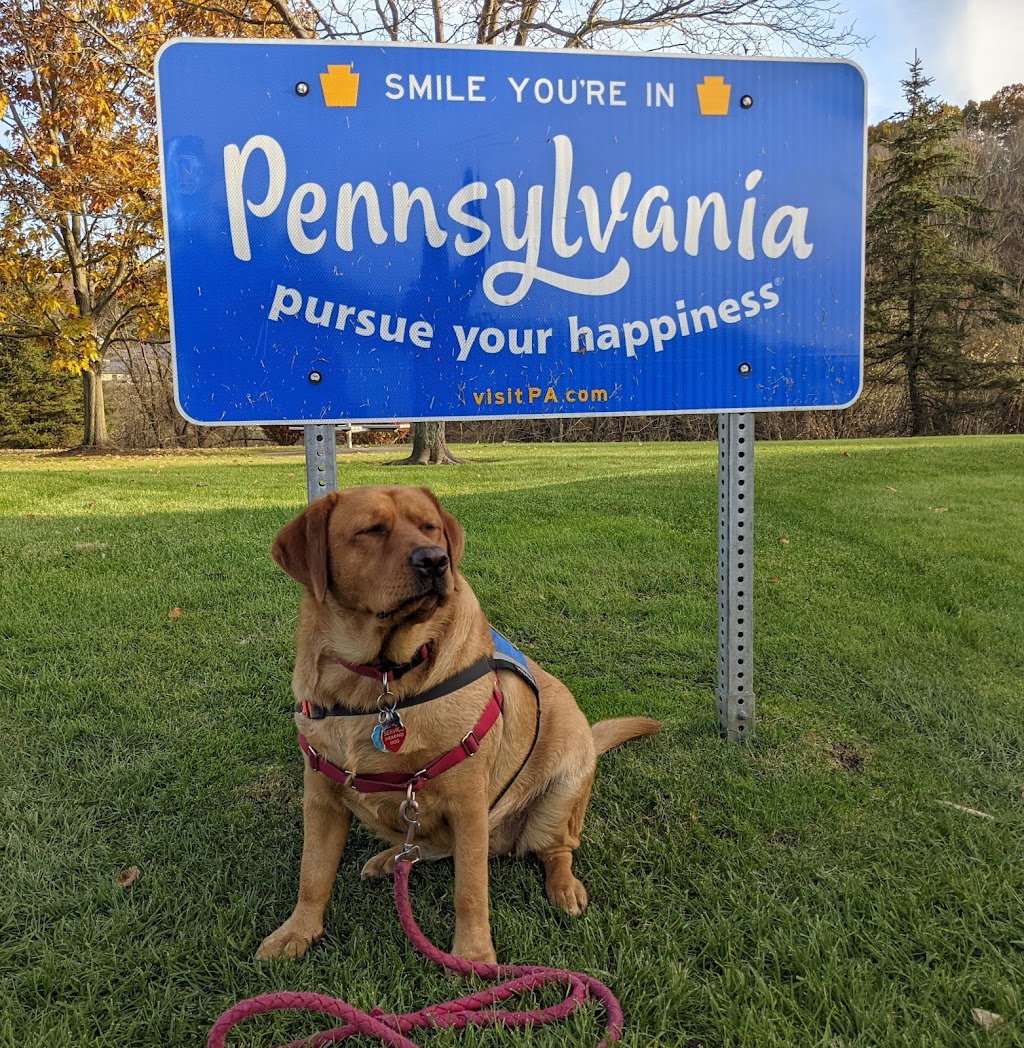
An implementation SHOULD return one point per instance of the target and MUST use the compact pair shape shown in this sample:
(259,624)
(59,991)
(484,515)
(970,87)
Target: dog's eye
(429,527)
(376,529)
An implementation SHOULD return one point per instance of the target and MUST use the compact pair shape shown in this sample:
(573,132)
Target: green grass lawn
(812,887)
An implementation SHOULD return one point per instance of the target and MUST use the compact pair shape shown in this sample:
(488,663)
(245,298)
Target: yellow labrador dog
(400,692)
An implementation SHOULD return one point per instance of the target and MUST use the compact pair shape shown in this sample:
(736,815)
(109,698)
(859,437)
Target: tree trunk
(95,411)
(429,447)
(915,399)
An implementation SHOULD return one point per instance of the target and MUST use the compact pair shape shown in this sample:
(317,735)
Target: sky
(970,48)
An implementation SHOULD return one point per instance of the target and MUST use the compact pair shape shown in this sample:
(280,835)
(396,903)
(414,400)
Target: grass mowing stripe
(806,889)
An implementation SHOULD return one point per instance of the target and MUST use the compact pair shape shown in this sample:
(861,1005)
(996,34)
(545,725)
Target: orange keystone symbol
(713,96)
(340,86)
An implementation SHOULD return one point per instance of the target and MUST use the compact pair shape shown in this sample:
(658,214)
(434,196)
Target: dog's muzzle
(430,565)
(429,561)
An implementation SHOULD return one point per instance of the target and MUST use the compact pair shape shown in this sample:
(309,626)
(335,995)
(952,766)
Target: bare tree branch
(289,18)
(390,22)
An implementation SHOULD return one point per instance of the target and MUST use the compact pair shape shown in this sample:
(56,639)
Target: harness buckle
(470,743)
(314,757)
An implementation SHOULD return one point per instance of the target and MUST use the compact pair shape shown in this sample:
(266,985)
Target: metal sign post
(321,460)
(735,692)
(364,232)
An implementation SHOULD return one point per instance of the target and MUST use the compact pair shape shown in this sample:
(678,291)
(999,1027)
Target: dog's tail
(611,733)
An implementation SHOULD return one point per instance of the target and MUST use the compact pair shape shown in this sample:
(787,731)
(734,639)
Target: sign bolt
(302,88)
(746,101)
(745,369)
(315,377)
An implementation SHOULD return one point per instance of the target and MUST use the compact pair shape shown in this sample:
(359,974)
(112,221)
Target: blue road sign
(362,232)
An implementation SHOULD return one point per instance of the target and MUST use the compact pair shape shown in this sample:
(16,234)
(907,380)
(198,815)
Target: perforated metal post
(735,576)
(321,460)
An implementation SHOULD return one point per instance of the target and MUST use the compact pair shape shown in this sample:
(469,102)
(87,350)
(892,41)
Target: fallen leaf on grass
(967,811)
(175,613)
(92,505)
(128,877)
(783,542)
(773,580)
(985,1019)
(887,488)
(846,454)
(940,509)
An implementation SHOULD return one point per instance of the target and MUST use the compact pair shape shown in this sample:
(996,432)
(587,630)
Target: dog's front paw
(290,940)
(477,953)
(567,893)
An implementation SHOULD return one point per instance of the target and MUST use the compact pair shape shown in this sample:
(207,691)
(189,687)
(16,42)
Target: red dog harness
(403,782)
(506,656)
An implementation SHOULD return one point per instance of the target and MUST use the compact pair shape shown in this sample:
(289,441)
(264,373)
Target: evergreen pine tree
(925,289)
(39,408)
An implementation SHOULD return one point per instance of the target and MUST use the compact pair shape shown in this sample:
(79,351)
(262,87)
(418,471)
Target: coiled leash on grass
(473,1010)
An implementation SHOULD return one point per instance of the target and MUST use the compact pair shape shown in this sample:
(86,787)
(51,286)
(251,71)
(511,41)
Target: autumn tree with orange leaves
(79,231)
(81,251)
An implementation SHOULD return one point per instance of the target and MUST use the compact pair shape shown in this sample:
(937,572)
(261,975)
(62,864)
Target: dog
(396,672)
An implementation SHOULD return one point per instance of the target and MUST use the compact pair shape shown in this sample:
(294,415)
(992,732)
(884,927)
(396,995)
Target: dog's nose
(429,561)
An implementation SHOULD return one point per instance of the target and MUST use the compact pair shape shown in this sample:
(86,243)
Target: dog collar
(389,671)
(410,782)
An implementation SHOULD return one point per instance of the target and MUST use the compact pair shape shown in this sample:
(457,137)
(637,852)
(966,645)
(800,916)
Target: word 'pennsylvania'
(649,215)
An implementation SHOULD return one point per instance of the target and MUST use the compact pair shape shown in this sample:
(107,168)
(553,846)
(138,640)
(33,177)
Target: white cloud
(970,48)
(983,48)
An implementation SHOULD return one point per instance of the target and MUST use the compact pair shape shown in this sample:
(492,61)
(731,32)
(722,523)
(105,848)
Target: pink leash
(473,1010)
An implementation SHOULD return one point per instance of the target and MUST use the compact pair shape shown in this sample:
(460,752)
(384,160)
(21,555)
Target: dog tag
(393,735)
(389,734)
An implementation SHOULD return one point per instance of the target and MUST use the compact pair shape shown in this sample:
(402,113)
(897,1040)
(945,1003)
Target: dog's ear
(301,546)
(456,537)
